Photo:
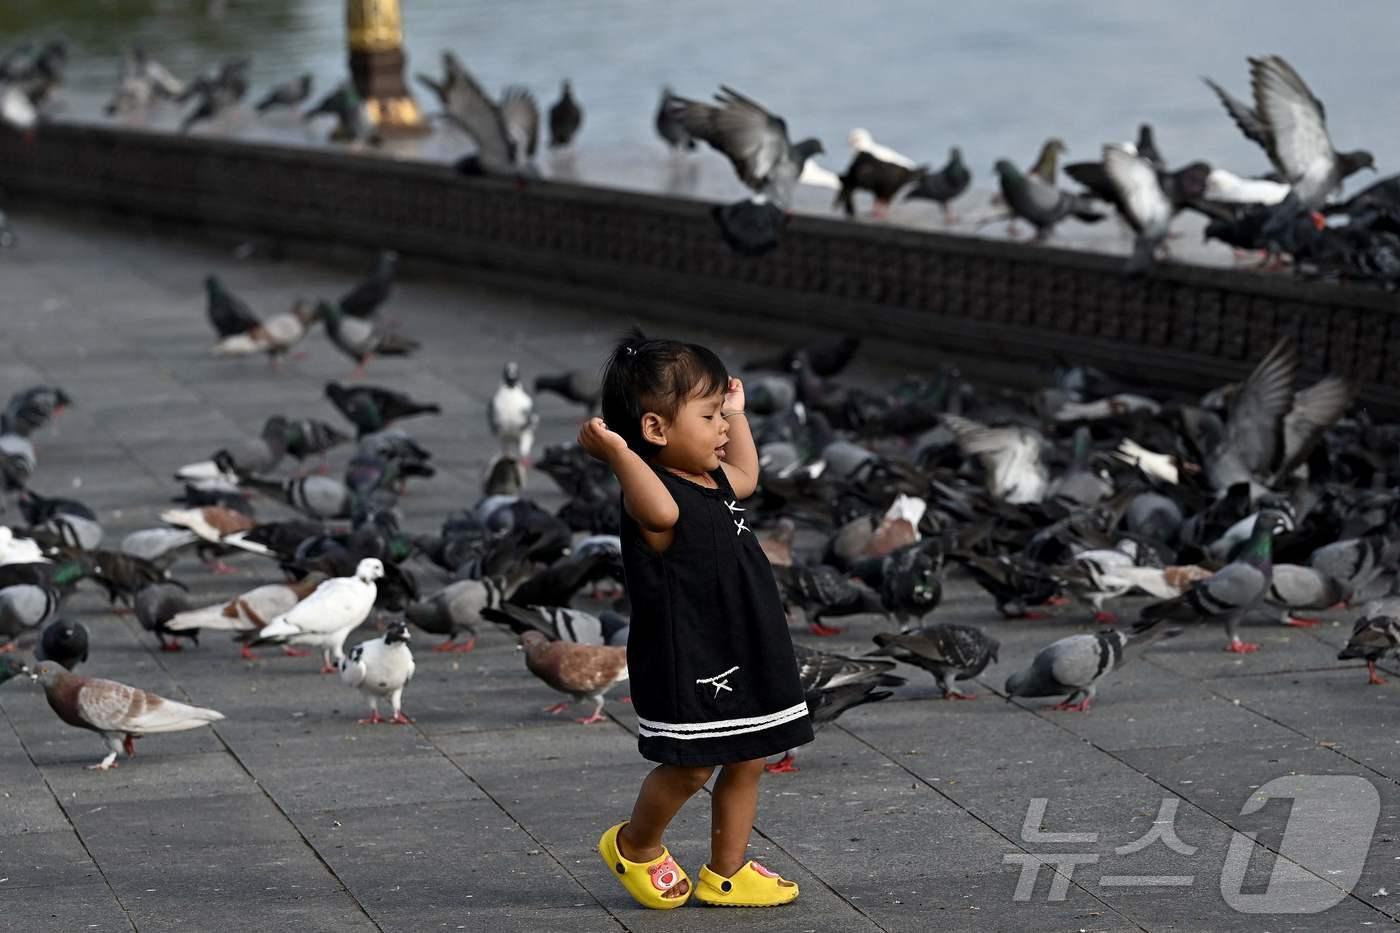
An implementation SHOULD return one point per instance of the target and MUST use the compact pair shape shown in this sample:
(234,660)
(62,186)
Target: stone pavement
(909,815)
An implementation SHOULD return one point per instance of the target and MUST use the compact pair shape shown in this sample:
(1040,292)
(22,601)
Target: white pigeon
(16,109)
(1010,456)
(248,611)
(327,617)
(818,176)
(274,336)
(380,668)
(19,550)
(862,141)
(1228,188)
(512,415)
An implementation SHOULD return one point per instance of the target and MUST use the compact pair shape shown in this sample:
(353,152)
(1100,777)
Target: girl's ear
(654,429)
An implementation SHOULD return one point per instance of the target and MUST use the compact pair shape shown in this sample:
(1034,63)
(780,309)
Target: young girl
(713,677)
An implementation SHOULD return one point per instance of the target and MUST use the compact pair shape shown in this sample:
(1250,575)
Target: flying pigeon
(326,617)
(291,93)
(565,118)
(1072,665)
(581,671)
(1229,593)
(1375,634)
(506,133)
(670,126)
(381,668)
(1010,457)
(120,714)
(64,643)
(1149,198)
(756,142)
(511,415)
(947,651)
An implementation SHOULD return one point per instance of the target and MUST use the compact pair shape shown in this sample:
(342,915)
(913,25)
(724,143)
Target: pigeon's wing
(466,104)
(1234,586)
(1315,409)
(819,670)
(1138,187)
(751,137)
(1299,140)
(1075,661)
(327,609)
(1252,430)
(521,116)
(353,670)
(588,669)
(1249,122)
(106,704)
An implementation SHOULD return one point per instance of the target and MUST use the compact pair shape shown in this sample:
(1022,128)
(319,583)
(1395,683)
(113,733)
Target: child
(713,677)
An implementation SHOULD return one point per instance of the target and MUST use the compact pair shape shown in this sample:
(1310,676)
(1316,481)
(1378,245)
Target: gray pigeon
(506,133)
(63,642)
(1229,593)
(291,93)
(1375,634)
(24,607)
(1294,588)
(456,609)
(560,623)
(949,652)
(158,603)
(1358,564)
(1040,202)
(1072,665)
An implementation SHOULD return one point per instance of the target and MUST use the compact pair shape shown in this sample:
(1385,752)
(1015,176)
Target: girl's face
(695,438)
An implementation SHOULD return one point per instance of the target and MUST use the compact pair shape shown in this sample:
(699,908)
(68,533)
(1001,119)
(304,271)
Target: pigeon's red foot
(171,645)
(1057,601)
(1371,676)
(556,708)
(1081,707)
(1242,647)
(328,669)
(822,631)
(590,720)
(783,765)
(956,695)
(374,719)
(1106,618)
(462,647)
(221,568)
(1034,615)
(1298,622)
(291,652)
(444,647)
(246,654)
(1339,606)
(627,700)
(8,647)
(401,720)
(129,745)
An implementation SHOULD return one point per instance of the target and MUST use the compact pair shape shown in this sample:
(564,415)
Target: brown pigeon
(582,671)
(120,713)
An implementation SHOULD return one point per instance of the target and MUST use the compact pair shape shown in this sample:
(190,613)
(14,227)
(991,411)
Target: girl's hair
(644,374)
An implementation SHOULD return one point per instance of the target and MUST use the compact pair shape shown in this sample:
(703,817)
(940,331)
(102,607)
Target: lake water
(995,79)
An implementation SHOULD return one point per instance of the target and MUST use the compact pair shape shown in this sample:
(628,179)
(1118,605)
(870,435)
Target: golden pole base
(375,36)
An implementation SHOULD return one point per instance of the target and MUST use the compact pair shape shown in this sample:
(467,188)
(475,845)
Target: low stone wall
(1015,304)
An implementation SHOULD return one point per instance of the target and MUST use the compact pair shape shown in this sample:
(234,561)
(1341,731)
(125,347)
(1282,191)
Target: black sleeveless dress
(713,676)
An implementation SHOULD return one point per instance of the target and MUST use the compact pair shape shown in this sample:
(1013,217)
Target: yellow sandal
(647,882)
(750,886)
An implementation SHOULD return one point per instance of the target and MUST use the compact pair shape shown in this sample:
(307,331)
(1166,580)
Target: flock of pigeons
(1261,497)
(1293,211)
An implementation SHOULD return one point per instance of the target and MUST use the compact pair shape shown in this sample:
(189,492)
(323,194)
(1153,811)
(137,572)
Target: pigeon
(1040,202)
(372,408)
(326,617)
(670,125)
(23,608)
(19,550)
(275,336)
(17,462)
(565,118)
(584,672)
(1293,588)
(882,179)
(862,141)
(352,122)
(456,609)
(511,415)
(158,603)
(506,134)
(229,314)
(822,591)
(833,684)
(1148,198)
(1010,457)
(559,623)
(247,612)
(578,386)
(1072,665)
(141,81)
(11,668)
(29,410)
(1225,187)
(947,651)
(17,111)
(360,338)
(1291,125)
(63,642)
(301,437)
(1229,593)
(944,185)
(1375,634)
(381,668)
(826,357)
(292,93)
(756,142)
(71,522)
(1357,564)
(211,524)
(366,299)
(218,94)
(120,714)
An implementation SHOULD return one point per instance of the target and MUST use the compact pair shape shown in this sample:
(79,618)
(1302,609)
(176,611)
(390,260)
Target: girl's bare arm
(646,498)
(740,455)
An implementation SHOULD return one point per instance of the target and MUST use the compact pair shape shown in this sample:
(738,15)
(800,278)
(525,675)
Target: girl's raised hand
(600,442)
(733,397)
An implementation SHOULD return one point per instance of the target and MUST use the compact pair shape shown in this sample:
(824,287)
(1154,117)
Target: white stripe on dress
(721,727)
